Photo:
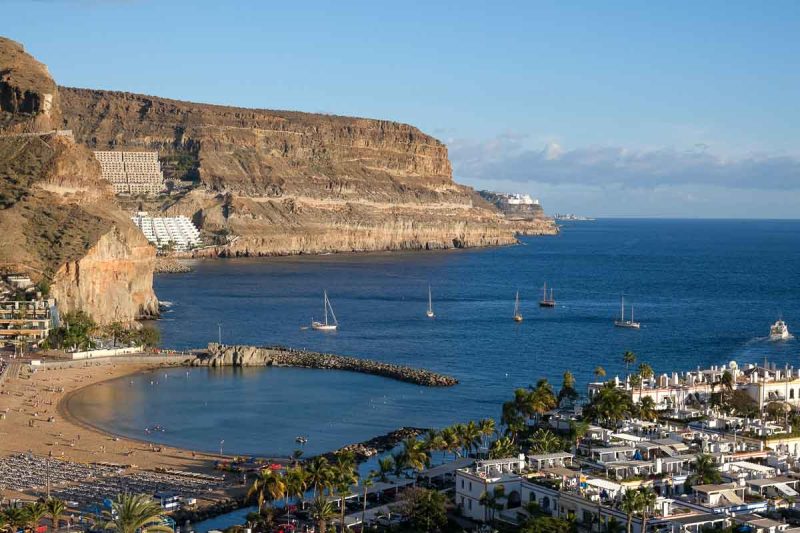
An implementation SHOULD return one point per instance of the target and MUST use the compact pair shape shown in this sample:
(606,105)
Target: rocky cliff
(58,220)
(277,182)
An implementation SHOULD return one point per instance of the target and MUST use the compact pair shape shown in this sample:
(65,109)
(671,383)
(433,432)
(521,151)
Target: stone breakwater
(170,265)
(369,448)
(222,355)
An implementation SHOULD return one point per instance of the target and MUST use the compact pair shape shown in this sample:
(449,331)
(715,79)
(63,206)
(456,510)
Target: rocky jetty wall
(222,355)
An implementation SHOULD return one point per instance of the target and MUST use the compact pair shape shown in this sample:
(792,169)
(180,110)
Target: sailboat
(429,312)
(326,326)
(517,315)
(622,323)
(545,301)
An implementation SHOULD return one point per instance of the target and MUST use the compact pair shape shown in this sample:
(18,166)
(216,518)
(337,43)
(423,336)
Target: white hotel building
(177,233)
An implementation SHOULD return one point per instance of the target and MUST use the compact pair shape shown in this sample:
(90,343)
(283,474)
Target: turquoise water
(705,292)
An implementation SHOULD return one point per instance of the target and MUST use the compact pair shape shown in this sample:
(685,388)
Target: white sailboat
(517,314)
(326,326)
(429,312)
(622,323)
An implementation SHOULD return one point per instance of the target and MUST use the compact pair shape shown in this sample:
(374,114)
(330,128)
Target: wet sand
(31,399)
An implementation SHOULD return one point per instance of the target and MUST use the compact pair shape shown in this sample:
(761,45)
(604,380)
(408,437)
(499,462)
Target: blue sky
(603,108)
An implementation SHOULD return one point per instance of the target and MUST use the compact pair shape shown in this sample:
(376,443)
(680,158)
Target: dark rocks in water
(221,355)
(369,448)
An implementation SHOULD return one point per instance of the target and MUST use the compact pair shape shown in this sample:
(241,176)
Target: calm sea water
(705,292)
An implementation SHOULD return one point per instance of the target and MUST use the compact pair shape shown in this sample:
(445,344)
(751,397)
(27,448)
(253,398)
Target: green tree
(704,471)
(296,484)
(319,474)
(628,358)
(568,392)
(599,372)
(647,408)
(487,429)
(268,486)
(631,504)
(548,524)
(15,517)
(345,476)
(132,513)
(34,513)
(545,441)
(415,454)
(385,467)
(425,509)
(321,511)
(55,509)
(75,331)
(503,447)
(647,500)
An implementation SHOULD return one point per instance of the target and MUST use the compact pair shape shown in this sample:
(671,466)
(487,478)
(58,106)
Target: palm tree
(630,505)
(136,512)
(704,472)
(450,440)
(55,508)
(542,398)
(472,436)
(502,448)
(647,499)
(34,513)
(15,517)
(385,466)
(599,372)
(269,485)
(567,391)
(416,456)
(367,483)
(433,441)
(512,419)
(321,511)
(319,473)
(296,484)
(487,428)
(645,373)
(647,408)
(345,475)
(545,441)
(613,526)
(628,358)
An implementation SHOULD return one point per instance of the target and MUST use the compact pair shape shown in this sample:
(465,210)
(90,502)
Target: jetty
(218,355)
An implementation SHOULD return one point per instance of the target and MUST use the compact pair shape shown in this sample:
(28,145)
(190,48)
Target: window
(791,394)
(470,486)
(462,483)
(532,497)
(546,503)
(470,505)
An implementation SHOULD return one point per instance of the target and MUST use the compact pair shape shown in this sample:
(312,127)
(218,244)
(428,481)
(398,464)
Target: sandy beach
(37,420)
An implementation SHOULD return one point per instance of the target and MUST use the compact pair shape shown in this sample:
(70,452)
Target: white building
(132,172)
(175,233)
(495,477)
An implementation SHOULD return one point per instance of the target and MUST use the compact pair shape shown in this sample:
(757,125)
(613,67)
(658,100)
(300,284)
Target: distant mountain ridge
(283,182)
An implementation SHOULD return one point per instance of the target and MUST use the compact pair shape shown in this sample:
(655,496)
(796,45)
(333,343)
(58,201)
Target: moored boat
(779,331)
(429,312)
(517,315)
(622,323)
(545,301)
(325,325)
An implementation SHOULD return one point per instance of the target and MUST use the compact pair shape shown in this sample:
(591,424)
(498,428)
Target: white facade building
(132,172)
(177,233)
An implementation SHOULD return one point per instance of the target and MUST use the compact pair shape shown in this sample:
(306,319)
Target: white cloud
(507,158)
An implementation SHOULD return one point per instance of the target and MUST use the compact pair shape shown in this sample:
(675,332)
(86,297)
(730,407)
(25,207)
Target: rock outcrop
(58,220)
(222,355)
(278,182)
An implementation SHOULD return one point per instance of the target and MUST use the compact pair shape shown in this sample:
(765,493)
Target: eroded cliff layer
(58,220)
(277,182)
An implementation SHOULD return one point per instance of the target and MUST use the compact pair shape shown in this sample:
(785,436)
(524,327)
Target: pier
(222,355)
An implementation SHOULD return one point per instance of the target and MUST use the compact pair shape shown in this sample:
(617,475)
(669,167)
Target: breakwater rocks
(365,450)
(170,265)
(222,355)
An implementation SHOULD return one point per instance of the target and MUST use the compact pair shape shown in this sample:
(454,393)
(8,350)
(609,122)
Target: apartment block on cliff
(132,173)
(168,233)
(25,323)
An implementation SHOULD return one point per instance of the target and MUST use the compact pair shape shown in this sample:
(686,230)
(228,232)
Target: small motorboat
(779,331)
(301,440)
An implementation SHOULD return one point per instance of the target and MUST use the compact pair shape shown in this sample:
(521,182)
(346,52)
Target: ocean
(705,291)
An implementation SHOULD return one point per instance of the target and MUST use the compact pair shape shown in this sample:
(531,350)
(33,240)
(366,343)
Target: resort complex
(168,233)
(132,173)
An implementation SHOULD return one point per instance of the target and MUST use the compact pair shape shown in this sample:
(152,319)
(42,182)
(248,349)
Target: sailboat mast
(430,300)
(325,306)
(622,309)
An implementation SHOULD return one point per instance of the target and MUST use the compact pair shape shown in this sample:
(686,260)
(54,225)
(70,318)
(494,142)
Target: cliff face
(58,221)
(28,95)
(277,182)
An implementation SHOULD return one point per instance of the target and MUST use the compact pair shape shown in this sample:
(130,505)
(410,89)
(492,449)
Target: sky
(612,108)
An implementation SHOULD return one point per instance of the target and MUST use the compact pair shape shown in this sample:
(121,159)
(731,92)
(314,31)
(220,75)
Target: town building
(132,173)
(25,323)
(168,233)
